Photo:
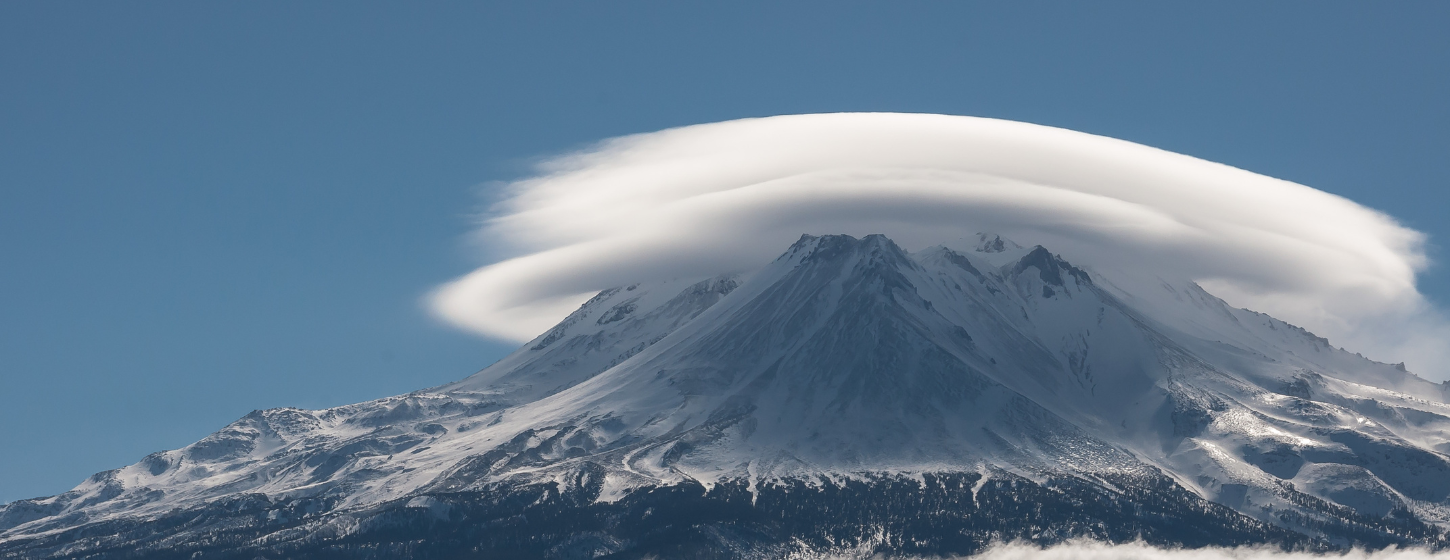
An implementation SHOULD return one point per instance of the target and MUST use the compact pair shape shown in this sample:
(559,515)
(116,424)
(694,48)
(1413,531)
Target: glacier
(849,397)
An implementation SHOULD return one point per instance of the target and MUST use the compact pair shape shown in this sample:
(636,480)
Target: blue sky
(210,208)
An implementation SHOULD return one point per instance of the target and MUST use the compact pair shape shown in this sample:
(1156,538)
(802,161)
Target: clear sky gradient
(210,208)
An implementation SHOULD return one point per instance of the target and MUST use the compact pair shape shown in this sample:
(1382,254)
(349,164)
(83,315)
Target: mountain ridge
(844,362)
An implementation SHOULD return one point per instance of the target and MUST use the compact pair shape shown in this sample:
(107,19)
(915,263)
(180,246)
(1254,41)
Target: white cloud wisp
(1095,550)
(725,197)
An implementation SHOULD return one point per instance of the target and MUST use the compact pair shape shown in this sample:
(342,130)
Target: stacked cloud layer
(728,197)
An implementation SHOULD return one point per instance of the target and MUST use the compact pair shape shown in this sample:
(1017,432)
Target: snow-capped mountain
(847,397)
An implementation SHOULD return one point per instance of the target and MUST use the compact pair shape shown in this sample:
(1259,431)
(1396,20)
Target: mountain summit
(849,397)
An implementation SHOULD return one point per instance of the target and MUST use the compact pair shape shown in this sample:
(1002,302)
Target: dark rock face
(1049,267)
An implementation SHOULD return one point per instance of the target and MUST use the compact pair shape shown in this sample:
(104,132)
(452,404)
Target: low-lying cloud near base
(728,197)
(1093,550)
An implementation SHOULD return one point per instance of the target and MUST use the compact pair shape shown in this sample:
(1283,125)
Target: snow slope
(848,358)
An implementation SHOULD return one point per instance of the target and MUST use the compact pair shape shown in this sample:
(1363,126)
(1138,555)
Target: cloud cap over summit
(723,197)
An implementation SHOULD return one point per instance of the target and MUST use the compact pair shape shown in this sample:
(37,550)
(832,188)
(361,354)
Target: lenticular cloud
(728,197)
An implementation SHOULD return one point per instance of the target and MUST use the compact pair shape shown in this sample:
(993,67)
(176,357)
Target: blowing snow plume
(724,197)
